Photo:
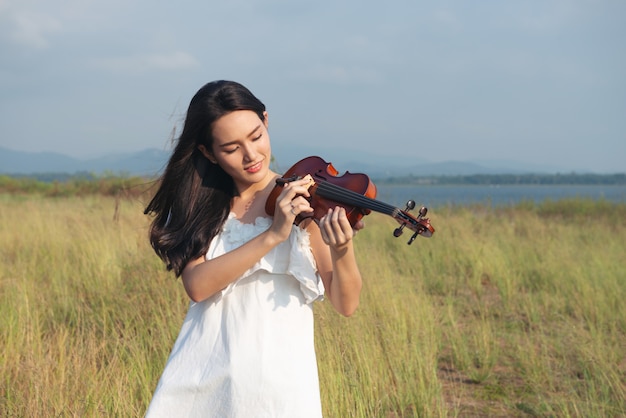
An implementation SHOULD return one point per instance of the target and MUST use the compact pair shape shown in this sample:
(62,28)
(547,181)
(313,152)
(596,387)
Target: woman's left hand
(336,229)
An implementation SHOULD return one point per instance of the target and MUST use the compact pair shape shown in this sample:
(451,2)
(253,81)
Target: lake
(440,195)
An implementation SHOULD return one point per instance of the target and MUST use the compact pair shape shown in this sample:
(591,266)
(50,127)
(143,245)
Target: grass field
(503,312)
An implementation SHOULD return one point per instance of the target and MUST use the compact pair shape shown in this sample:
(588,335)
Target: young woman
(246,345)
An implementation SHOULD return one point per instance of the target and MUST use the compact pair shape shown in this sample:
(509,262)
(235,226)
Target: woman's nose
(249,153)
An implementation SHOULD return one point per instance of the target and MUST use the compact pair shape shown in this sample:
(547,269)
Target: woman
(246,346)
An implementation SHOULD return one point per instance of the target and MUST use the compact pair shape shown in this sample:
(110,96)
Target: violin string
(341,194)
(344,195)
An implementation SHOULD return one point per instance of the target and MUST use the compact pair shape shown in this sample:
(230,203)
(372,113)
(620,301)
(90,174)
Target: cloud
(454,73)
(35,23)
(31,29)
(552,17)
(140,63)
(338,74)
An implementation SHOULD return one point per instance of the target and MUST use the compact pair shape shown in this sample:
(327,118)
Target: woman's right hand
(291,202)
(204,278)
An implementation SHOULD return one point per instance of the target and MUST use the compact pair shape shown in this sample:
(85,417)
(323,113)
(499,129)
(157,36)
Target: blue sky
(539,82)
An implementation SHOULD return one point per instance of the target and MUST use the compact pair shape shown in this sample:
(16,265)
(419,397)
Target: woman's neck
(250,204)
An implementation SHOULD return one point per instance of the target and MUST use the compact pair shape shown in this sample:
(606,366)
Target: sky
(541,82)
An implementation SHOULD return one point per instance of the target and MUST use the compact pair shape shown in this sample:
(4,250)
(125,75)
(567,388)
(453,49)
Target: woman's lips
(255,168)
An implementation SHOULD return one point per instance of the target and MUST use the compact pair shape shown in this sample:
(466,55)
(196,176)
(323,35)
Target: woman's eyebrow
(252,132)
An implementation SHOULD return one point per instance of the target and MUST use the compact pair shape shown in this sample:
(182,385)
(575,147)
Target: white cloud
(457,67)
(551,17)
(445,17)
(178,60)
(338,74)
(33,23)
(32,29)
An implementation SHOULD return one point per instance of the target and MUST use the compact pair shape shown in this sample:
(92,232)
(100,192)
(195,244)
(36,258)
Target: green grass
(513,311)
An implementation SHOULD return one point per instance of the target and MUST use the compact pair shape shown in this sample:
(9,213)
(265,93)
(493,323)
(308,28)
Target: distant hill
(382,166)
(146,162)
(152,161)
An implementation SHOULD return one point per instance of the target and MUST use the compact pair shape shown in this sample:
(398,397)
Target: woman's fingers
(335,227)
(300,205)
(297,187)
(292,200)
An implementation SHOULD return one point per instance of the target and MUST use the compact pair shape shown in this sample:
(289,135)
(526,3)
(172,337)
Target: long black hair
(194,195)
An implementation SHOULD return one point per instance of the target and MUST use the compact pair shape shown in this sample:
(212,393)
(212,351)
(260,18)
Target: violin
(355,192)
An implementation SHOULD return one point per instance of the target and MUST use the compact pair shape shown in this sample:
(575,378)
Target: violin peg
(423,211)
(410,205)
(413,238)
(398,231)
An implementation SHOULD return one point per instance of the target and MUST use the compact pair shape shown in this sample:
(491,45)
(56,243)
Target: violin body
(354,192)
(321,171)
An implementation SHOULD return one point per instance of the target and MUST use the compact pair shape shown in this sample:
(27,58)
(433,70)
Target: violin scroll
(420,225)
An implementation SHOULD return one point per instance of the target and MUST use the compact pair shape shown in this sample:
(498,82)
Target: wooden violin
(354,192)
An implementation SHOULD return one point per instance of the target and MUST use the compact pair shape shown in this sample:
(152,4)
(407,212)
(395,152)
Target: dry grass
(504,312)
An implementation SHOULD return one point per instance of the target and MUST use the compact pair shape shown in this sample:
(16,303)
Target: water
(434,195)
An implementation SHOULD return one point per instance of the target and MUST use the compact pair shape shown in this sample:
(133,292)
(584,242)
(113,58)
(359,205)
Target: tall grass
(87,313)
(503,312)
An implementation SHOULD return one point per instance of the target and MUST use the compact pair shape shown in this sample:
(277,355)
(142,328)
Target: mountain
(146,162)
(151,162)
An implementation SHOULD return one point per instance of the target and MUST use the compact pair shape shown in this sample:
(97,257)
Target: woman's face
(241,146)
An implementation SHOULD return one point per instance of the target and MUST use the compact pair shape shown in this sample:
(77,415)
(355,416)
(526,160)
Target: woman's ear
(265,119)
(207,154)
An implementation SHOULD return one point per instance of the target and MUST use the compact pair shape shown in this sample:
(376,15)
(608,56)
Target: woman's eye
(257,138)
(230,151)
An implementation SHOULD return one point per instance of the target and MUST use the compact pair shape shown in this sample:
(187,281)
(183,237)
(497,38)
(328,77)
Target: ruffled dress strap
(292,257)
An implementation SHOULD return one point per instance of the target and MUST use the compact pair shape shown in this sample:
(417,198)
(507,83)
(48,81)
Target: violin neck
(349,197)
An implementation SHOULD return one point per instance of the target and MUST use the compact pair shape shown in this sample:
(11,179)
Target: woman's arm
(332,245)
(203,278)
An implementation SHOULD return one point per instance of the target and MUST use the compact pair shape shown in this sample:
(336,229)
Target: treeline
(58,185)
(511,179)
(79,184)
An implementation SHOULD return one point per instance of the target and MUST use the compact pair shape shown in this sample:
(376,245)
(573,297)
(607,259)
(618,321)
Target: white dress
(248,351)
